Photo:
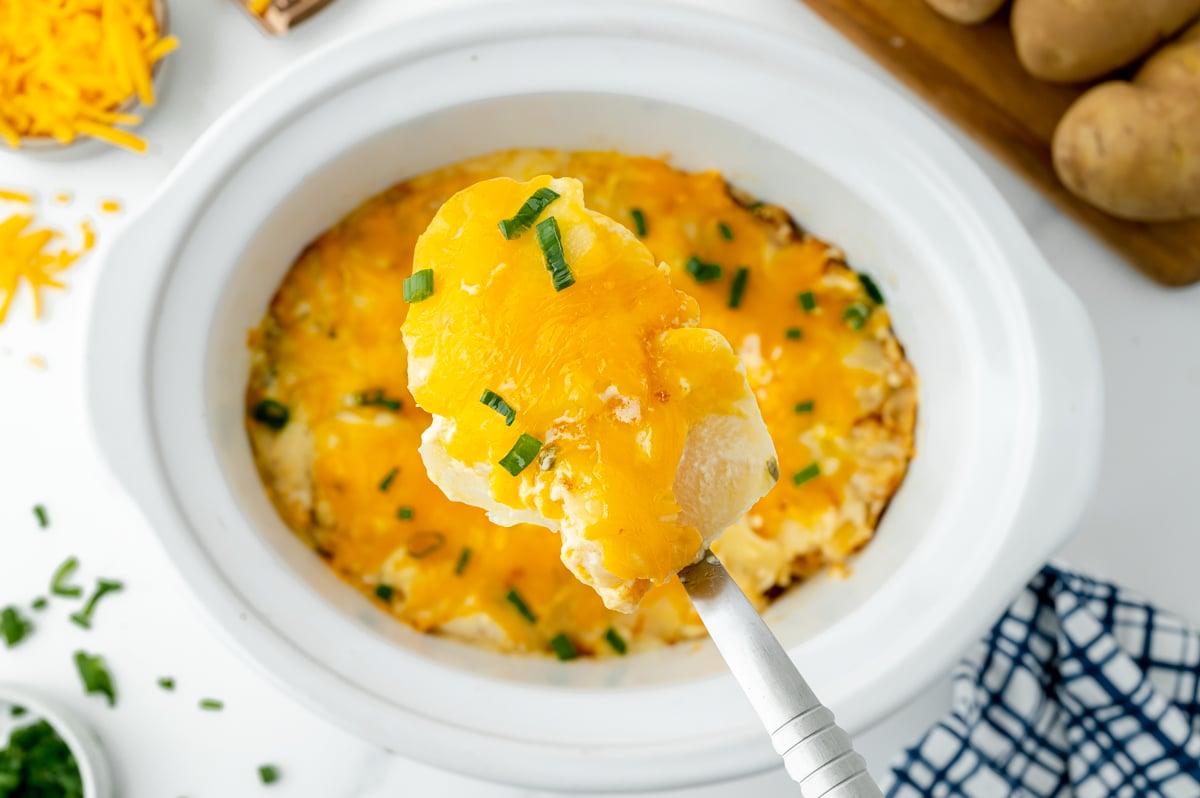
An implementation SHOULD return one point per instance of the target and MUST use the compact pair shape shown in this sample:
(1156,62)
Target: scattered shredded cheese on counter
(67,66)
(36,257)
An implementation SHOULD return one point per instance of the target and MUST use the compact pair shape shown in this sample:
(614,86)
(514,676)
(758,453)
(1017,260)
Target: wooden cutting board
(972,75)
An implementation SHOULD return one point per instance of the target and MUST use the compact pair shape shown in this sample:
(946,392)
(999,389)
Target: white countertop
(1139,529)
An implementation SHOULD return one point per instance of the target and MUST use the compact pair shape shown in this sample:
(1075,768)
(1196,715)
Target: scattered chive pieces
(804,407)
(812,471)
(13,627)
(17,711)
(422,544)
(42,517)
(738,287)
(103,586)
(616,641)
(405,513)
(384,592)
(639,222)
(58,583)
(528,213)
(212,704)
(38,763)
(871,287)
(419,287)
(564,649)
(521,454)
(808,301)
(268,774)
(496,402)
(377,398)
(386,482)
(95,676)
(794,333)
(514,598)
(166,683)
(39,603)
(550,240)
(463,559)
(703,272)
(726,231)
(272,414)
(856,315)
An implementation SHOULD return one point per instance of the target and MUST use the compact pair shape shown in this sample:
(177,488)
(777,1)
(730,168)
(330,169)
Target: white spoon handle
(818,755)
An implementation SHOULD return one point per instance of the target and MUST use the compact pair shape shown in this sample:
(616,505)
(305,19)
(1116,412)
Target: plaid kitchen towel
(1080,689)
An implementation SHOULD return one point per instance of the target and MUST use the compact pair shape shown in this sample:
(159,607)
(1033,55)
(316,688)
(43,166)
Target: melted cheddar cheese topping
(345,473)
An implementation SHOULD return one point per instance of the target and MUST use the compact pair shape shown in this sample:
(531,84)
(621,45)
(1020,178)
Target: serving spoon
(817,754)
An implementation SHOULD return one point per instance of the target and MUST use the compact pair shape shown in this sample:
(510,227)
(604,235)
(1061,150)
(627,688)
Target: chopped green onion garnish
(166,683)
(808,301)
(212,704)
(773,469)
(37,763)
(377,398)
(463,559)
(871,288)
(40,603)
(616,641)
(42,517)
(95,676)
(521,454)
(805,407)
(17,711)
(550,240)
(794,333)
(812,471)
(496,402)
(103,587)
(272,414)
(856,315)
(58,583)
(418,287)
(268,774)
(13,627)
(514,598)
(405,513)
(564,649)
(738,287)
(385,592)
(726,231)
(639,222)
(422,544)
(528,213)
(386,482)
(703,272)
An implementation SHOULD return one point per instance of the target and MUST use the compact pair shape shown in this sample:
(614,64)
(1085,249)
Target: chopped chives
(563,648)
(377,398)
(810,472)
(405,513)
(550,240)
(166,683)
(703,272)
(805,407)
(268,774)
(17,711)
(385,592)
(738,287)
(419,287)
(794,333)
(514,598)
(422,544)
(521,454)
(616,641)
(40,603)
(42,517)
(103,587)
(808,301)
(496,402)
(726,231)
(13,627)
(93,672)
(271,414)
(212,704)
(463,559)
(639,222)
(58,583)
(871,287)
(856,315)
(386,482)
(528,213)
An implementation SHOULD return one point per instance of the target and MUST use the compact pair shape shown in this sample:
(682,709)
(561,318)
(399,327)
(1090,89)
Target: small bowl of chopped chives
(46,751)
(79,70)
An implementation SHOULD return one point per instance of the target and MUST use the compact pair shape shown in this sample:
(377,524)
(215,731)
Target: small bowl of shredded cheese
(79,69)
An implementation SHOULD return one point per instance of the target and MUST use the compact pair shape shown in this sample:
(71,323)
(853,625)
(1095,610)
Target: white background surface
(1138,530)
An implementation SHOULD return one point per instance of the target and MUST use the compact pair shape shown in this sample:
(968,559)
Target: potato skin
(1132,149)
(967,12)
(1068,41)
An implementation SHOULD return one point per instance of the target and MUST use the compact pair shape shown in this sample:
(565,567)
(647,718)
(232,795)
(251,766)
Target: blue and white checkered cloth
(1080,689)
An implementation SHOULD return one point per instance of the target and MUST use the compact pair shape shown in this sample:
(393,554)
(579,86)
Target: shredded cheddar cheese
(110,206)
(35,257)
(16,196)
(259,7)
(67,67)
